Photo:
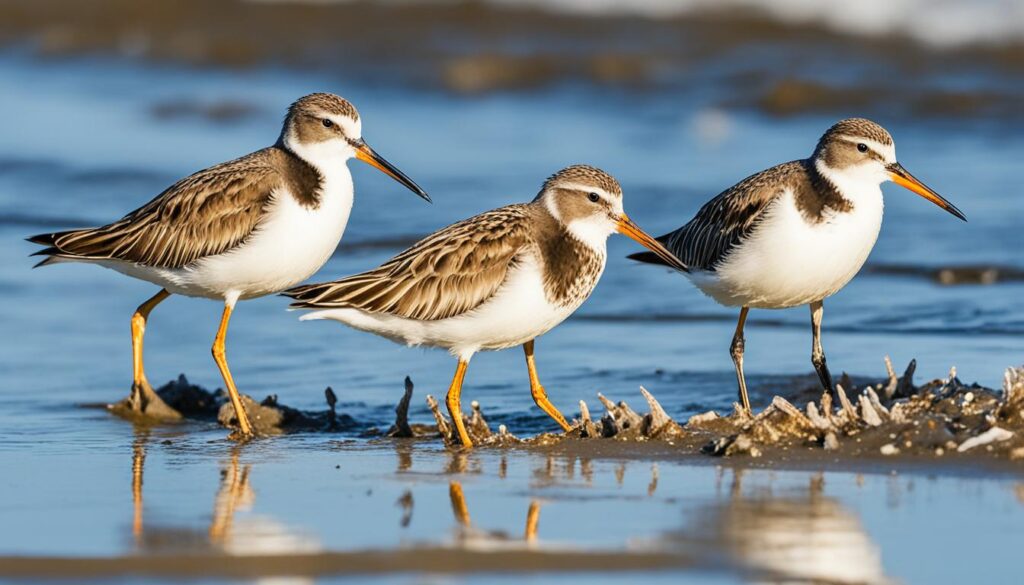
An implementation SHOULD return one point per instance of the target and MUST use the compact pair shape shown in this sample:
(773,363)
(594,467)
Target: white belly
(518,313)
(287,247)
(786,262)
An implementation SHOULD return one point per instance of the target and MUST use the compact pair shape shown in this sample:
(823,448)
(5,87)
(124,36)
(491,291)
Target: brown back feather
(205,214)
(448,273)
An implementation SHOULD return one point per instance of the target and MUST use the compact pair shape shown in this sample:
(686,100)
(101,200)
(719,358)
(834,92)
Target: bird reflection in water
(234,494)
(227,531)
(470,536)
(138,464)
(800,536)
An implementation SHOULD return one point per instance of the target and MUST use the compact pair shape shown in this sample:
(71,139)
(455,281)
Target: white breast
(517,313)
(787,261)
(287,247)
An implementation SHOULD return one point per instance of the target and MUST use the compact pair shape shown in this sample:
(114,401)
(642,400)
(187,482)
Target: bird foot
(143,404)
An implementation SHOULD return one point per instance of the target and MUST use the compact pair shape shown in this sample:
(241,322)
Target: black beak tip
(423,195)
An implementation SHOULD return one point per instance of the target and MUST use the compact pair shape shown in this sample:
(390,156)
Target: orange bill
(903,178)
(368,156)
(626,227)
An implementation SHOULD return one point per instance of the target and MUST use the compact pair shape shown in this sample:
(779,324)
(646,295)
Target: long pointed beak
(903,178)
(368,156)
(626,227)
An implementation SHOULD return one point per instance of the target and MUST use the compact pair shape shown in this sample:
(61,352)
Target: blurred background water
(106,103)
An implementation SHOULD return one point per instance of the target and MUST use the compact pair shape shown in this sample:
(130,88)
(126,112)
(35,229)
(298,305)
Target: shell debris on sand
(888,418)
(893,416)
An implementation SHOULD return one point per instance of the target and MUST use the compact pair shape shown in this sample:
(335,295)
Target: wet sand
(417,560)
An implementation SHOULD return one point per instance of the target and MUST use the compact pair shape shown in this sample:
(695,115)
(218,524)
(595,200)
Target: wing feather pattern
(446,274)
(724,221)
(207,213)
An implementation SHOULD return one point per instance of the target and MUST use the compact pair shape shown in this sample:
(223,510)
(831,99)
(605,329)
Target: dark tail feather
(301,295)
(647,258)
(51,257)
(42,239)
(296,292)
(51,251)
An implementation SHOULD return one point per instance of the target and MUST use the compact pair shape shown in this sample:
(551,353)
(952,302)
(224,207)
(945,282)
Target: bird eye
(594,197)
(862,147)
(328,123)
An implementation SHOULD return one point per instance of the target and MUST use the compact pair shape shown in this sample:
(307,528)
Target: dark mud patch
(181,400)
(985,274)
(225,111)
(413,559)
(791,96)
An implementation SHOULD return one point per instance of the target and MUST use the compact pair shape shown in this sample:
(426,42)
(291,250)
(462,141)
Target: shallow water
(84,146)
(167,492)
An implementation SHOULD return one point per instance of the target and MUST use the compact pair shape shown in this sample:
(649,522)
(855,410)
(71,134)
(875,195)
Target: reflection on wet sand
(138,463)
(463,462)
(226,532)
(803,537)
(469,536)
(562,469)
(234,494)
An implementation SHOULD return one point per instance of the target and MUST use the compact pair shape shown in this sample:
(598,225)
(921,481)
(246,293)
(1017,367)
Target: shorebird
(238,230)
(494,281)
(796,233)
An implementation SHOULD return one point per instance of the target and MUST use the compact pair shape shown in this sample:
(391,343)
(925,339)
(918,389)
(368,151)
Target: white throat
(860,184)
(326,157)
(593,231)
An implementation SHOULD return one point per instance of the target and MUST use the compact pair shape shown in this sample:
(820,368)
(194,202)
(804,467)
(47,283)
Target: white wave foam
(939,23)
(942,23)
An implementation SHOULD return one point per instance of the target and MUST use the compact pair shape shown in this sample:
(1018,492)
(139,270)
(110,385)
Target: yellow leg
(454,404)
(234,493)
(532,518)
(539,395)
(138,332)
(459,508)
(220,356)
(138,466)
(736,350)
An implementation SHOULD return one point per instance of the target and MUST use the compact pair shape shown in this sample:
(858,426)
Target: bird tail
(646,258)
(52,250)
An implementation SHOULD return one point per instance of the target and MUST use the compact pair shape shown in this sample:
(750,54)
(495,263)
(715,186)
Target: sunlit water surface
(81,146)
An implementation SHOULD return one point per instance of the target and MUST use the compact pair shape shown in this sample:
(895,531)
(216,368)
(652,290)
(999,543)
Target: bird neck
(828,186)
(310,183)
(844,187)
(572,264)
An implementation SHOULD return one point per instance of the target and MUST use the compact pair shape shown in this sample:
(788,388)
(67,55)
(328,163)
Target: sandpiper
(496,280)
(238,230)
(796,233)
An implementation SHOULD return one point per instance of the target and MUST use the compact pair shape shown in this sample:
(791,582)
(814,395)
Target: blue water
(81,146)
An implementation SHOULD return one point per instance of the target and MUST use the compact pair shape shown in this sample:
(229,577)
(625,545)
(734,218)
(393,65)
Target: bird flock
(790,235)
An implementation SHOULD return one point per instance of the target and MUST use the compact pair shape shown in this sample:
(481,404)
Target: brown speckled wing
(205,214)
(725,220)
(446,274)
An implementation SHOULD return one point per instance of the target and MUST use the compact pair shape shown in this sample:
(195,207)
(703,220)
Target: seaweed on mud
(185,401)
(887,417)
